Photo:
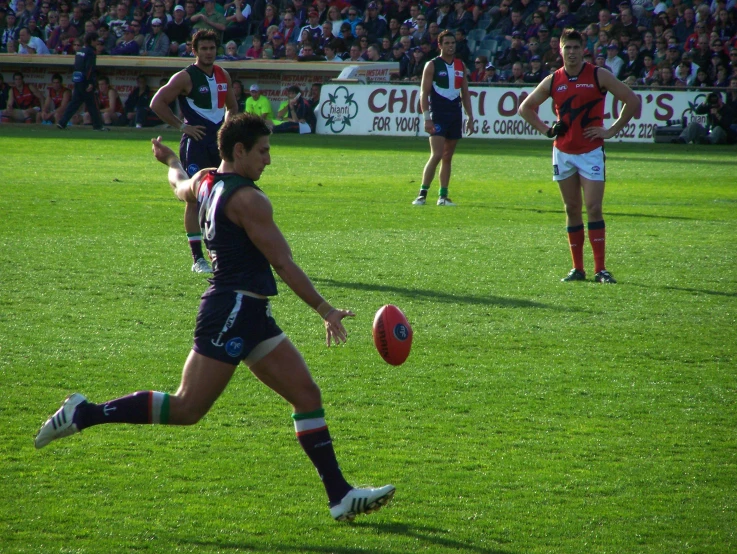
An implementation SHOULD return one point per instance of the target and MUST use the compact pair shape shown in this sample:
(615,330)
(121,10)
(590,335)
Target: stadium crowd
(653,43)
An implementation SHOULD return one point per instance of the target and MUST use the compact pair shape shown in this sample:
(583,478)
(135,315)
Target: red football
(392,334)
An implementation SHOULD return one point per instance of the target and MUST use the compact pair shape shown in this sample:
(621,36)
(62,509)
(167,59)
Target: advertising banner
(394,110)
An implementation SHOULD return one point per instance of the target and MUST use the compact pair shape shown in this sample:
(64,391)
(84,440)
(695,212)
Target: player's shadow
(440,296)
(687,289)
(426,538)
(558,211)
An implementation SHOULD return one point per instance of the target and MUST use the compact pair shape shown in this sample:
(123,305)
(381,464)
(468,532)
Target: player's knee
(309,398)
(185,411)
(593,210)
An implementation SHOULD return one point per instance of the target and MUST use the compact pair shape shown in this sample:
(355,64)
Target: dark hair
(713,98)
(571,34)
(90,38)
(295,89)
(56,77)
(245,128)
(204,34)
(17,74)
(443,34)
(104,79)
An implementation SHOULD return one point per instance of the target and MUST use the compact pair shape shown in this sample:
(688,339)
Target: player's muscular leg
(593,193)
(437,145)
(284,371)
(191,221)
(449,149)
(570,191)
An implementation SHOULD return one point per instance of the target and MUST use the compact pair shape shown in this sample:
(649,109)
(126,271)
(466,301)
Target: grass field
(531,417)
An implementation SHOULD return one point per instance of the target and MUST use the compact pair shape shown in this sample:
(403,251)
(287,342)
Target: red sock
(575,242)
(597,238)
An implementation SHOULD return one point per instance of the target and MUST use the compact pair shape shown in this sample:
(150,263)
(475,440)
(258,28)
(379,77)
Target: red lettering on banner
(398,96)
(660,101)
(503,108)
(373,106)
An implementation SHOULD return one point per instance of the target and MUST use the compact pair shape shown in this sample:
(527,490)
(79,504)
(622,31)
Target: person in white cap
(259,105)
(177,30)
(156,42)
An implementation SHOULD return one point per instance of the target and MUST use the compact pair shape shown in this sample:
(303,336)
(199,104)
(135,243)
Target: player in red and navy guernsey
(444,90)
(578,90)
(234,322)
(206,98)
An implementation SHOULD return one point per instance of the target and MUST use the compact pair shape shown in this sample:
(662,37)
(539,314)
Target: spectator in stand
(178,31)
(717,51)
(363,44)
(137,27)
(533,47)
(416,64)
(665,77)
(543,34)
(55,40)
(732,94)
(460,18)
(259,105)
(277,45)
(732,67)
(633,64)
(128,45)
(256,49)
(421,29)
(209,18)
(291,52)
(24,101)
(375,26)
(52,22)
(463,51)
(723,25)
(627,24)
(722,77)
(270,18)
(500,17)
(346,35)
(693,38)
(57,98)
(613,61)
(600,61)
(517,76)
(514,25)
(326,37)
(399,10)
(648,43)
(231,52)
(300,115)
(587,12)
(686,26)
(35,30)
(536,73)
(109,102)
(478,75)
(120,22)
(537,21)
(354,54)
(648,72)
(721,118)
(307,54)
(673,56)
(237,18)
(240,95)
(77,19)
(563,18)
(30,45)
(156,43)
(491,74)
(352,20)
(683,75)
(551,58)
(334,19)
(331,54)
(514,53)
(702,79)
(289,29)
(313,26)
(606,21)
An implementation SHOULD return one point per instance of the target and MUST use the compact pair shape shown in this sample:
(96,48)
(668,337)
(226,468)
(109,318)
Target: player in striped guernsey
(578,90)
(206,99)
(444,89)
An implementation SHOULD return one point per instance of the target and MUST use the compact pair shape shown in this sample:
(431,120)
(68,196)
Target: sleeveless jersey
(104,101)
(24,99)
(579,102)
(57,96)
(237,263)
(446,84)
(205,103)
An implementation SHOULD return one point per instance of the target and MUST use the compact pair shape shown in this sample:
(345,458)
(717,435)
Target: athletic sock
(140,407)
(314,437)
(443,193)
(423,190)
(576,238)
(195,245)
(597,238)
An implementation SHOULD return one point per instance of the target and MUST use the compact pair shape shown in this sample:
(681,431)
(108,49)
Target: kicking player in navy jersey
(234,322)
(206,99)
(444,90)
(578,90)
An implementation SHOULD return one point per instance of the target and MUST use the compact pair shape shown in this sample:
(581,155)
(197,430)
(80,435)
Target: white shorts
(590,165)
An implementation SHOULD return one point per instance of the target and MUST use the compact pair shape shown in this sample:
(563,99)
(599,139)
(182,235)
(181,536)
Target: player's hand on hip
(593,133)
(429,127)
(161,152)
(335,332)
(197,132)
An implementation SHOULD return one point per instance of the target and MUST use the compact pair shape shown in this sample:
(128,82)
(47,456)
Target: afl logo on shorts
(192,169)
(596,169)
(234,347)
(438,128)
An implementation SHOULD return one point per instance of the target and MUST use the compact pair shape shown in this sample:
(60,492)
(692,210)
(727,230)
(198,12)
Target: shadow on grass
(687,289)
(560,211)
(428,538)
(439,296)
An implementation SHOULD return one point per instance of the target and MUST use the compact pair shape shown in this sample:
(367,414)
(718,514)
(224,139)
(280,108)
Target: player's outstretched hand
(334,330)
(161,152)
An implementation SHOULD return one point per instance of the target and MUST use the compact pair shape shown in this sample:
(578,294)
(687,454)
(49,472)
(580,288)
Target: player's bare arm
(625,95)
(425,89)
(252,210)
(528,108)
(466,100)
(11,100)
(179,84)
(184,187)
(231,104)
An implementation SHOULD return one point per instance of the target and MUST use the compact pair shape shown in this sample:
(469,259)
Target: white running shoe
(419,201)
(362,501)
(445,201)
(201,266)
(61,424)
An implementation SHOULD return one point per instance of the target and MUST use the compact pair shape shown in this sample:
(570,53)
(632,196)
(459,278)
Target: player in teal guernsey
(234,322)
(444,89)
(206,98)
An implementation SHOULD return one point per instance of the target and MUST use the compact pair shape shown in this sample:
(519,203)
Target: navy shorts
(198,154)
(231,324)
(448,126)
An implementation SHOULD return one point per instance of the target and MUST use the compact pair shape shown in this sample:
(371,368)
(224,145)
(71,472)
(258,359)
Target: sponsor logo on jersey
(561,88)
(222,87)
(234,347)
(204,89)
(573,79)
(584,85)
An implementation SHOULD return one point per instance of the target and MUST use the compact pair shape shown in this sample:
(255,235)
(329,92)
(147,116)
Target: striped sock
(195,245)
(314,437)
(443,193)
(139,408)
(575,242)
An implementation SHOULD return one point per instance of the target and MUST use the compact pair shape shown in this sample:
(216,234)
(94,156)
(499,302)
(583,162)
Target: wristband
(427,116)
(324,309)
(182,126)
